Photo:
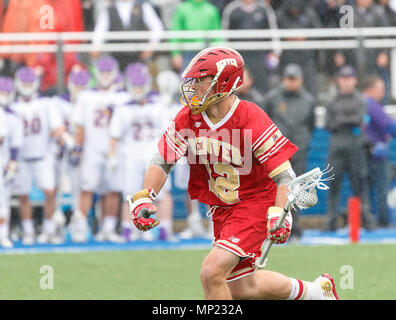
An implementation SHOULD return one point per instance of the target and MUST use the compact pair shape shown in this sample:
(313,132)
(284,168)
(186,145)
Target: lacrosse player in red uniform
(239,166)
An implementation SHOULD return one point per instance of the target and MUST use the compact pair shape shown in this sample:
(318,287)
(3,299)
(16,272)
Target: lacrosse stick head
(302,190)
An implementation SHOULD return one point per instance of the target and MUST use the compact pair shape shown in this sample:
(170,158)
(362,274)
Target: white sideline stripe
(104,248)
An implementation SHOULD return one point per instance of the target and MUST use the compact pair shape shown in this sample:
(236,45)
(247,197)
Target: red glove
(282,234)
(141,207)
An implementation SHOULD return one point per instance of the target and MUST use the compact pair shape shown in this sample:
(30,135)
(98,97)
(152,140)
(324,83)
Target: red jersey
(229,161)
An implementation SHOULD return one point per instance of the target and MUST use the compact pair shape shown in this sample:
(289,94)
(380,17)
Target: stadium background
(331,39)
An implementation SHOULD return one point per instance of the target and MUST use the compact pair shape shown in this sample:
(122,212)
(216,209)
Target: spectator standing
(166,8)
(67,18)
(88,7)
(299,15)
(22,16)
(345,119)
(249,92)
(389,11)
(128,15)
(292,109)
(191,15)
(367,14)
(379,130)
(253,15)
(220,4)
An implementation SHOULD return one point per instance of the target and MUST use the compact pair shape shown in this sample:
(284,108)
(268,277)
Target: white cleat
(148,236)
(79,237)
(115,238)
(28,239)
(190,233)
(59,218)
(327,287)
(43,238)
(6,243)
(135,236)
(78,227)
(49,238)
(102,236)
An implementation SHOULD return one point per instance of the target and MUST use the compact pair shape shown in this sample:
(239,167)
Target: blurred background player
(43,128)
(91,119)
(133,134)
(169,89)
(379,129)
(4,240)
(9,155)
(67,176)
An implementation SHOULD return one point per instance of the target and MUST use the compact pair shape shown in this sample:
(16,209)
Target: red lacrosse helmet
(225,65)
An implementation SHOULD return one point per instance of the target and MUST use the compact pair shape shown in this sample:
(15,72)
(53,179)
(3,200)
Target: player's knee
(24,199)
(49,194)
(212,274)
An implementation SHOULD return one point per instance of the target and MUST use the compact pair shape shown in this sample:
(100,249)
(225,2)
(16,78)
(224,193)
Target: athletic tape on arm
(159,161)
(283,174)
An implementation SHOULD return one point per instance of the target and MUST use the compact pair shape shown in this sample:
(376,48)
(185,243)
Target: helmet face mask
(77,82)
(138,80)
(106,71)
(196,93)
(225,66)
(27,82)
(168,86)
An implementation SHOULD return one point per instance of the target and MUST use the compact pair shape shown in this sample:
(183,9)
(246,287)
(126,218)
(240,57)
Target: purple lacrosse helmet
(27,82)
(7,91)
(106,71)
(78,81)
(137,80)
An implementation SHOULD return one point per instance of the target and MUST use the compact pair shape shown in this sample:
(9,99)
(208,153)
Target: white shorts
(134,175)
(41,172)
(181,174)
(3,198)
(97,177)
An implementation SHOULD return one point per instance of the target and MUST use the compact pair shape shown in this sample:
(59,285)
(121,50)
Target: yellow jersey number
(226,186)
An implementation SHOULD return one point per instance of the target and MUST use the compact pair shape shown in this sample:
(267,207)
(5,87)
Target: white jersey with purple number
(40,119)
(93,112)
(14,138)
(137,128)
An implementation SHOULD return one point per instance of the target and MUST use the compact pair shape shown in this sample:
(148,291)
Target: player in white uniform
(134,132)
(43,129)
(9,155)
(99,174)
(168,85)
(4,240)
(67,176)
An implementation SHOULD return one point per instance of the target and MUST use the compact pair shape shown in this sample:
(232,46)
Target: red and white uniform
(229,166)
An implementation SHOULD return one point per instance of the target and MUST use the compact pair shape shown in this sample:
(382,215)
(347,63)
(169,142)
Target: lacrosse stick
(302,193)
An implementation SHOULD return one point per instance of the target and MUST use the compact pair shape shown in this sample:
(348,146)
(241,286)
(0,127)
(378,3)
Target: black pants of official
(347,155)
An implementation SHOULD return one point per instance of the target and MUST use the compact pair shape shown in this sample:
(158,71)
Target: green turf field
(174,274)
